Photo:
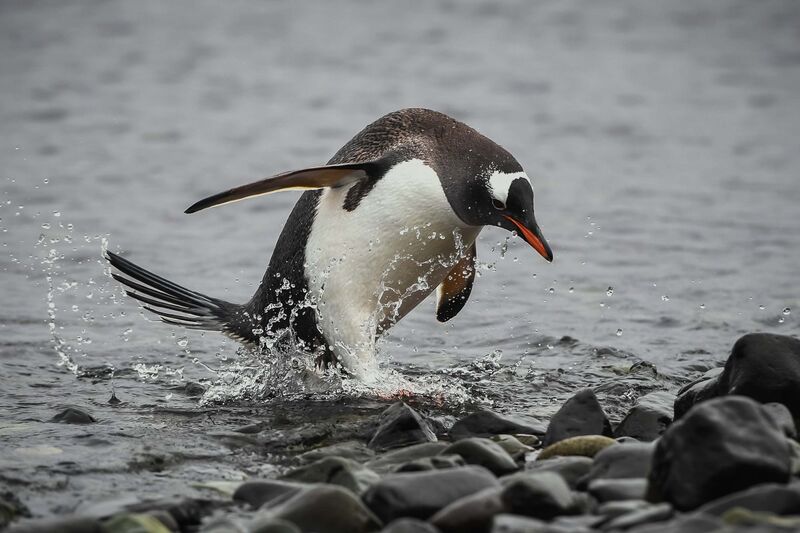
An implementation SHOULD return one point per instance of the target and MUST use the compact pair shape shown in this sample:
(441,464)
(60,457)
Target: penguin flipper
(452,294)
(304,179)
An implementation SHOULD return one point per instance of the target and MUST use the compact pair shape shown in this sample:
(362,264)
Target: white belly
(367,268)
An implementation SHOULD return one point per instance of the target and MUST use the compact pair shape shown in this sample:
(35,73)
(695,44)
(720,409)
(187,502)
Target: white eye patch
(500,182)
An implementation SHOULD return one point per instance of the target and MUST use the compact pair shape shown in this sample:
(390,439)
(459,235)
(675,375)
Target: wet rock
(264,524)
(720,447)
(580,415)
(436,462)
(336,471)
(584,445)
(649,418)
(768,497)
(258,492)
(390,460)
(194,389)
(702,389)
(420,495)
(543,495)
(485,423)
(483,452)
(11,508)
(73,415)
(509,523)
(621,461)
(62,524)
(400,425)
(409,525)
(605,490)
(613,509)
(350,449)
(570,468)
(783,418)
(655,513)
(470,514)
(326,508)
(135,523)
(512,445)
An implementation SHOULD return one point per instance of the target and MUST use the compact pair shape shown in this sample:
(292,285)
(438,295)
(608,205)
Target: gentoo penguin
(391,217)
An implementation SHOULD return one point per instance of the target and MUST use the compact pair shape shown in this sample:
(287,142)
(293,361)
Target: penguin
(393,216)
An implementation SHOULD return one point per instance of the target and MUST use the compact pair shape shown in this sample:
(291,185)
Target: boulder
(73,415)
(721,446)
(783,418)
(400,425)
(649,417)
(702,389)
(485,423)
(322,507)
(337,471)
(421,494)
(485,453)
(580,415)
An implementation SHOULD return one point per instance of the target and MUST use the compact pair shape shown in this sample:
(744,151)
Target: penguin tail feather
(175,304)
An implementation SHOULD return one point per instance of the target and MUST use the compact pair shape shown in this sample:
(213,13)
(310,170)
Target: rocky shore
(721,455)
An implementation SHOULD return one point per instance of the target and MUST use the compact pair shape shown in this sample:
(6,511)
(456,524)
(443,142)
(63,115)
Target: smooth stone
(783,418)
(327,508)
(193,388)
(61,524)
(422,494)
(263,524)
(649,417)
(621,461)
(687,523)
(605,490)
(613,509)
(655,513)
(512,446)
(571,468)
(580,415)
(723,445)
(510,523)
(486,423)
(485,453)
(702,389)
(582,522)
(226,525)
(258,492)
(73,415)
(542,495)
(760,521)
(470,514)
(135,523)
(400,425)
(409,525)
(794,453)
(437,462)
(583,445)
(351,449)
(336,471)
(390,460)
(770,497)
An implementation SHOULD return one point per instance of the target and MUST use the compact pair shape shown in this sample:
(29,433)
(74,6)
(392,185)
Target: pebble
(721,446)
(486,423)
(649,417)
(422,494)
(483,452)
(337,471)
(400,425)
(542,495)
(580,415)
(584,445)
(470,514)
(73,415)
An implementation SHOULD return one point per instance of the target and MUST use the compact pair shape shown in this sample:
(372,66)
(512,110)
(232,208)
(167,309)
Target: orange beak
(533,237)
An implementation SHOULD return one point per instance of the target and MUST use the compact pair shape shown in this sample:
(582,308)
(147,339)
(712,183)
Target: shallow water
(663,140)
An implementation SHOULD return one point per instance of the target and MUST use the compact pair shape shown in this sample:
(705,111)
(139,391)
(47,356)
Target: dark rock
(655,513)
(470,514)
(613,509)
(783,418)
(350,449)
(336,471)
(436,462)
(73,415)
(265,524)
(571,468)
(62,524)
(483,452)
(769,498)
(583,522)
(409,525)
(420,495)
(626,440)
(649,418)
(400,425)
(605,490)
(721,446)
(580,415)
(543,495)
(583,445)
(11,508)
(258,492)
(512,445)
(621,461)
(509,523)
(194,389)
(390,460)
(327,508)
(688,523)
(485,423)
(702,389)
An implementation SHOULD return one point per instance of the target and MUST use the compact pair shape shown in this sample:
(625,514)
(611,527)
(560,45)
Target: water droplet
(609,291)
(702,306)
(619,332)
(56,213)
(571,290)
(46,225)
(761,307)
(551,290)
(787,311)
(665,298)
(183,342)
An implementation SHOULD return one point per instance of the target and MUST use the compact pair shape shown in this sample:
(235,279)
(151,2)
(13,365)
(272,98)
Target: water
(663,140)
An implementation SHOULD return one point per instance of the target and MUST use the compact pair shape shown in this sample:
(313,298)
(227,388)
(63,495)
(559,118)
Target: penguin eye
(498,204)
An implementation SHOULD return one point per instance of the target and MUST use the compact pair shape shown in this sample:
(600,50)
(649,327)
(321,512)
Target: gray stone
(580,415)
(263,524)
(336,471)
(73,415)
(783,418)
(391,459)
(721,446)
(483,452)
(409,525)
(400,425)
(702,389)
(512,445)
(649,418)
(226,525)
(688,523)
(509,523)
(258,492)
(436,462)
(605,490)
(470,514)
(572,467)
(350,449)
(543,495)
(327,508)
(421,494)
(769,498)
(485,423)
(613,509)
(61,524)
(655,513)
(623,461)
